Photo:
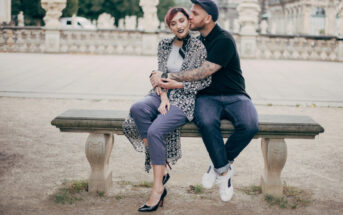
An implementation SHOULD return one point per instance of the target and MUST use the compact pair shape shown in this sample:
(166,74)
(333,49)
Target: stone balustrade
(32,40)
(298,48)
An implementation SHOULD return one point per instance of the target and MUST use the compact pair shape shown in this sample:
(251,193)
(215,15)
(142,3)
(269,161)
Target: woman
(154,121)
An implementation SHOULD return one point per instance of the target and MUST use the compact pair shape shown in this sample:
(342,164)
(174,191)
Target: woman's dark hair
(172,12)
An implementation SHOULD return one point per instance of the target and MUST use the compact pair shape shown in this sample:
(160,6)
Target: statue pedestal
(52,41)
(53,10)
(150,44)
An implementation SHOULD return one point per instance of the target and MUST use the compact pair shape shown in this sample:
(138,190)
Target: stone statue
(140,23)
(121,24)
(150,20)
(248,11)
(21,19)
(130,22)
(105,21)
(53,10)
(264,26)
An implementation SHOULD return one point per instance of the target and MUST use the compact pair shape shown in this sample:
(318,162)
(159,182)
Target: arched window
(318,21)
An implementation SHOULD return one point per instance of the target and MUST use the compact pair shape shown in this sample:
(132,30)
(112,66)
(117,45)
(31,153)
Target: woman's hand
(168,83)
(155,77)
(158,90)
(165,104)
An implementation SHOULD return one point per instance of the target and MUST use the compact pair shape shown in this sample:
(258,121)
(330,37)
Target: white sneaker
(209,178)
(225,187)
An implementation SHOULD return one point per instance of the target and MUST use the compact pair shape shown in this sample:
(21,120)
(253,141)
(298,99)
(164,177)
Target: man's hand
(155,77)
(167,83)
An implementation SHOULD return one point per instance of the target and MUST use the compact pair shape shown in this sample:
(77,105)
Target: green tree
(90,9)
(163,8)
(16,7)
(71,8)
(33,12)
(121,8)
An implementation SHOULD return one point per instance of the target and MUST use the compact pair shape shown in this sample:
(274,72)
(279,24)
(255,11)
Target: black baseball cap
(209,6)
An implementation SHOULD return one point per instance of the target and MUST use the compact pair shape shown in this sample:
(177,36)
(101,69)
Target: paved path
(125,77)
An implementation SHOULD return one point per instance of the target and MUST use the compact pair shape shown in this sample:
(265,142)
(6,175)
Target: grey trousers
(152,125)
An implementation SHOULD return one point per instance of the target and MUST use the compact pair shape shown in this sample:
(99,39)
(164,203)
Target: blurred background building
(268,29)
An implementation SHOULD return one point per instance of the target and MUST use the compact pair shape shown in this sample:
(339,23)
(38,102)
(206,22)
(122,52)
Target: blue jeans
(209,110)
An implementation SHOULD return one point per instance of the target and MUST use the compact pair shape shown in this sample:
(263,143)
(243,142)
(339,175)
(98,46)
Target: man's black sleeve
(221,52)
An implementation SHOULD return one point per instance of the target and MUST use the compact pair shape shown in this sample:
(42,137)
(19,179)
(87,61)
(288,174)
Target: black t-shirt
(221,50)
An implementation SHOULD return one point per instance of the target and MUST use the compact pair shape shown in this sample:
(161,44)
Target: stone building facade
(306,17)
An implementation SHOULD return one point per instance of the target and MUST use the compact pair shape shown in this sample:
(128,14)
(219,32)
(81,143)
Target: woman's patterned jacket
(184,98)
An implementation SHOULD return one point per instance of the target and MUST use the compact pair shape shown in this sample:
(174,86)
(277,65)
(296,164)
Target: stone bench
(102,124)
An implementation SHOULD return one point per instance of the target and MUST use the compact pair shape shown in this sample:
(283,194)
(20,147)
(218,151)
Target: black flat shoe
(165,178)
(146,208)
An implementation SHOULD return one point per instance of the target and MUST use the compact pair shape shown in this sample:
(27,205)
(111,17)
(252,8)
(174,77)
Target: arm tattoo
(205,70)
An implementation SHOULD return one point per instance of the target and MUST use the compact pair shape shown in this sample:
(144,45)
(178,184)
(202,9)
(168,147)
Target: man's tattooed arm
(205,70)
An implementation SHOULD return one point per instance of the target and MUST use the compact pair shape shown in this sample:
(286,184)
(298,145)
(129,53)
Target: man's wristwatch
(164,75)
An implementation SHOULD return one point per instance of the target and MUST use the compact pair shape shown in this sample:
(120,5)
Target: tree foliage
(121,8)
(90,9)
(71,8)
(163,7)
(33,11)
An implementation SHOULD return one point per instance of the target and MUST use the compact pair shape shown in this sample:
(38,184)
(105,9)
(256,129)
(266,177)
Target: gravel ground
(35,159)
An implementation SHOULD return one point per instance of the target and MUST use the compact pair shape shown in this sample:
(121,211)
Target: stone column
(306,19)
(330,21)
(5,11)
(287,21)
(275,155)
(53,10)
(340,20)
(340,31)
(150,25)
(98,151)
(248,11)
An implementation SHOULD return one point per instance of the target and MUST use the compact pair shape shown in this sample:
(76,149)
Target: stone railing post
(149,25)
(53,10)
(248,11)
(275,155)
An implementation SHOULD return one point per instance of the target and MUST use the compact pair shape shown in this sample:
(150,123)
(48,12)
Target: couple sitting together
(198,78)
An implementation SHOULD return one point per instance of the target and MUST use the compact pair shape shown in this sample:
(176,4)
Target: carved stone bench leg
(275,154)
(98,151)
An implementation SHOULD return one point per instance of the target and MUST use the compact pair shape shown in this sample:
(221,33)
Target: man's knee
(206,122)
(250,127)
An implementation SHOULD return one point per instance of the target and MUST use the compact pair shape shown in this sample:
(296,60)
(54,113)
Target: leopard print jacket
(184,98)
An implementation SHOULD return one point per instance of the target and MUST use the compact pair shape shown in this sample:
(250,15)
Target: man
(224,98)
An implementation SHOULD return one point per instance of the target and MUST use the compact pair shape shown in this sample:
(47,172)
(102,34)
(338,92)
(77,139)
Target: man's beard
(197,28)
